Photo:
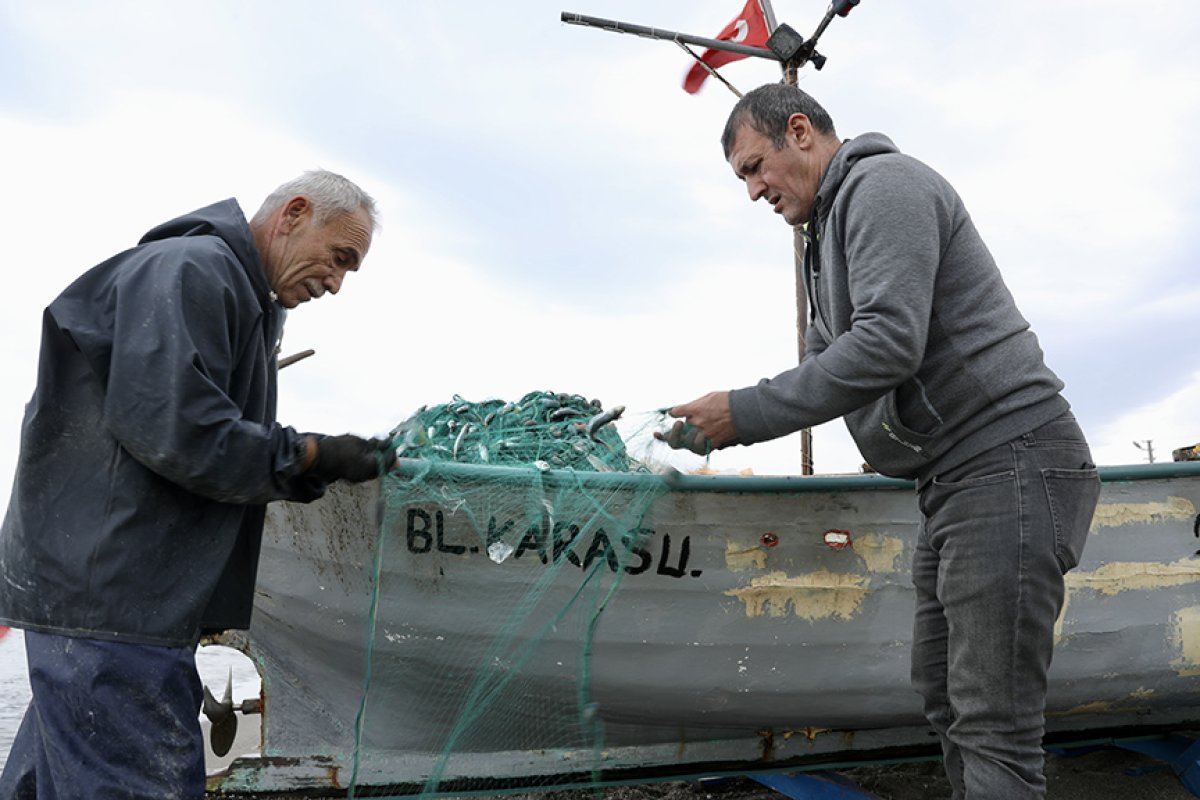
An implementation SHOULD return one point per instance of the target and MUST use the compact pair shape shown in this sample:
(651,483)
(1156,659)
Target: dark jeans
(999,533)
(107,720)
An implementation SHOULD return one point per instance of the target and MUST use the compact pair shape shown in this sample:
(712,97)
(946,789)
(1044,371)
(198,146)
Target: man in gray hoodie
(915,340)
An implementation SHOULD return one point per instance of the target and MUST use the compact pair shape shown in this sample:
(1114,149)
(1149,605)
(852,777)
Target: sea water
(215,664)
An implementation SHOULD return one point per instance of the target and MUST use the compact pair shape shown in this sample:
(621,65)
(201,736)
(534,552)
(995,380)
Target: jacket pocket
(885,434)
(1071,495)
(911,410)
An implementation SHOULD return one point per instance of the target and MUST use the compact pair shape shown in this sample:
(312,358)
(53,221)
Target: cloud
(90,188)
(556,210)
(1169,423)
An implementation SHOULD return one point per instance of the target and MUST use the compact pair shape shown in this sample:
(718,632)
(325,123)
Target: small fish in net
(549,430)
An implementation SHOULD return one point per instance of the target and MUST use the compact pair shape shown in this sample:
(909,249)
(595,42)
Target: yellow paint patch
(741,559)
(1062,614)
(815,595)
(1185,635)
(1097,707)
(1113,515)
(1124,576)
(879,552)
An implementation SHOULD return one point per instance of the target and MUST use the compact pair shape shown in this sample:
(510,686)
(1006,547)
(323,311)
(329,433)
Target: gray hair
(767,109)
(330,195)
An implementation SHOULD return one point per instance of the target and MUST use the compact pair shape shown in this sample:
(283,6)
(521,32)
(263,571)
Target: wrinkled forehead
(351,229)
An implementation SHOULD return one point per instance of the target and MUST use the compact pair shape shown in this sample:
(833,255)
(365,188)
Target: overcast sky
(557,213)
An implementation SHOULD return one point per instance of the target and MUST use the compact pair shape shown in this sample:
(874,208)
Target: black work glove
(350,458)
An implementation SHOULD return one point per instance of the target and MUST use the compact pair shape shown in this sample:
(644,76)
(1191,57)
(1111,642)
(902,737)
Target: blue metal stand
(1181,753)
(1178,752)
(814,786)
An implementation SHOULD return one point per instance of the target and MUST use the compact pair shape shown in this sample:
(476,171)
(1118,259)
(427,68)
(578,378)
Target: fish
(462,434)
(600,420)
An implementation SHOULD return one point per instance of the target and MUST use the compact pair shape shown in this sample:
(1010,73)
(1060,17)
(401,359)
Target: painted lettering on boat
(1114,515)
(811,596)
(633,552)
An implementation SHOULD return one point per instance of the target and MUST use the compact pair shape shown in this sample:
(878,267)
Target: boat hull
(721,629)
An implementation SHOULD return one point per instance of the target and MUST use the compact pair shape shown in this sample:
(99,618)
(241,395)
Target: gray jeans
(999,533)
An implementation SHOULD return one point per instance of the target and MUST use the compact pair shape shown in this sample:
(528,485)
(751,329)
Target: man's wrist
(306,453)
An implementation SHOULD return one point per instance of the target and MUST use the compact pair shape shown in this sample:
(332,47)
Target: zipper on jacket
(812,256)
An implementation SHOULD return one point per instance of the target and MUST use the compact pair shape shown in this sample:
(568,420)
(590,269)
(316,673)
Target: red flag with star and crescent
(749,27)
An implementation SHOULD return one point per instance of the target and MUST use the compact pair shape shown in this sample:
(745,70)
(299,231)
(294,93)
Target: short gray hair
(767,110)
(330,195)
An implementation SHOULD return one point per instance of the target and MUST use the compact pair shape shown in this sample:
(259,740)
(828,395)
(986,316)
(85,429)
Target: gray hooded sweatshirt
(913,336)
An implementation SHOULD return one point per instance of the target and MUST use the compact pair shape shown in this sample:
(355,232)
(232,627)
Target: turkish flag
(749,27)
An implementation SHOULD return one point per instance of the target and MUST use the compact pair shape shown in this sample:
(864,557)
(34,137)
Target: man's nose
(334,281)
(756,188)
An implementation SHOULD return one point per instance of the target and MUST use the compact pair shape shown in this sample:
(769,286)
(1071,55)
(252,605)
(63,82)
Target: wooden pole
(287,361)
(798,244)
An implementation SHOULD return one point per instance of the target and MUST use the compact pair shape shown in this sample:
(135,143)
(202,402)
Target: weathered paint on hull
(740,639)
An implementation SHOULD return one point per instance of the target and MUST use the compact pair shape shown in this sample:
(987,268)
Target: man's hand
(706,425)
(350,458)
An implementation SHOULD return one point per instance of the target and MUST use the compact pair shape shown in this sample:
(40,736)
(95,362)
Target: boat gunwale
(412,469)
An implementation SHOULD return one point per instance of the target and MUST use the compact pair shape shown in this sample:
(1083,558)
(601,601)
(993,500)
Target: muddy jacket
(150,446)
(913,338)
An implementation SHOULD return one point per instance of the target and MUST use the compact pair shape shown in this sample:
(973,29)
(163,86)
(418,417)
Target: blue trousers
(107,720)
(999,533)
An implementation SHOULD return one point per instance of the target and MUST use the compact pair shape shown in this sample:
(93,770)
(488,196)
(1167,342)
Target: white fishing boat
(475,635)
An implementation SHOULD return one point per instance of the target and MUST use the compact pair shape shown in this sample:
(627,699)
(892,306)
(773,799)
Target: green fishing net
(520,518)
(546,430)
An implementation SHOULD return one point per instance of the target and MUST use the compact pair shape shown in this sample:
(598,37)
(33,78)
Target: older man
(915,340)
(148,453)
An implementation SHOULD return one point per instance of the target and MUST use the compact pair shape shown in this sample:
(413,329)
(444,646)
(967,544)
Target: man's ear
(800,127)
(294,212)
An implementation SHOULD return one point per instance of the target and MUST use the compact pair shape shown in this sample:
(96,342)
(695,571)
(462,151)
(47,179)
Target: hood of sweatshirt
(850,153)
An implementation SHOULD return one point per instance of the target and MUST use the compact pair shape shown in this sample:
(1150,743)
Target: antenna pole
(798,245)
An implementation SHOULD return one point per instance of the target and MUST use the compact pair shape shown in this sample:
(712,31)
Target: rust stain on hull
(1097,707)
(811,596)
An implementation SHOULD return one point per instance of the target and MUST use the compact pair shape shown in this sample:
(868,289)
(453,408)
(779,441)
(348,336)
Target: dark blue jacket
(150,446)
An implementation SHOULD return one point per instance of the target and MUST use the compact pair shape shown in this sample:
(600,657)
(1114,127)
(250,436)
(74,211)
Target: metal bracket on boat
(222,715)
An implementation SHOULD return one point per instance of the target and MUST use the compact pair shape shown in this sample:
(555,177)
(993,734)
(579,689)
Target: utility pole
(1148,449)
(798,245)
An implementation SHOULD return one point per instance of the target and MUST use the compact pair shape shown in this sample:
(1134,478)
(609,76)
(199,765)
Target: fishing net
(521,518)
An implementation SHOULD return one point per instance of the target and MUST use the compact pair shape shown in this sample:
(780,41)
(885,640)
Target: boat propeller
(222,714)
